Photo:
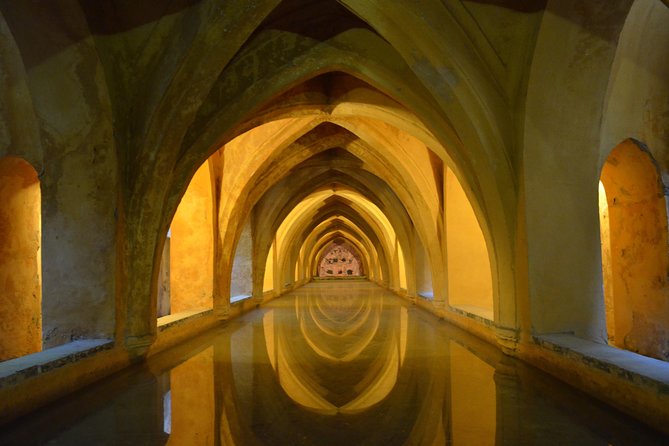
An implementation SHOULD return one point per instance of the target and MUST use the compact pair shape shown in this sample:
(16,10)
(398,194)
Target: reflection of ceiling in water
(340,333)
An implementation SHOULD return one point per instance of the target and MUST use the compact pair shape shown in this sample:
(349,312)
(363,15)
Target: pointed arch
(20,259)
(637,292)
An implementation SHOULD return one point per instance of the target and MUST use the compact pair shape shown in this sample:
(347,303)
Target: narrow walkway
(333,363)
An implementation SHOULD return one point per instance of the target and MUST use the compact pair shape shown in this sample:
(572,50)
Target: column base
(138,346)
(507,338)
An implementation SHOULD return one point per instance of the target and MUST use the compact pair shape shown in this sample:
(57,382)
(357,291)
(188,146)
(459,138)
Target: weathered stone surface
(265,130)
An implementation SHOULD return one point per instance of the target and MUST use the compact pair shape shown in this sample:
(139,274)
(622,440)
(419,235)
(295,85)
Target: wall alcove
(20,259)
(633,228)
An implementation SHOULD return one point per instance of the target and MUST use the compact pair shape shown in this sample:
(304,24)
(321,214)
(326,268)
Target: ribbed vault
(331,150)
(355,91)
(224,145)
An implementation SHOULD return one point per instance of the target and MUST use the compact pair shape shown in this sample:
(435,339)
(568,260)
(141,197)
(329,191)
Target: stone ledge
(173,320)
(29,366)
(624,364)
(240,298)
(336,278)
(429,295)
(475,313)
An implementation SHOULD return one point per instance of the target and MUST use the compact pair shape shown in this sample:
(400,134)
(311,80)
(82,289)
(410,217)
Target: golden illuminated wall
(268,281)
(607,279)
(402,267)
(20,281)
(469,278)
(638,244)
(423,270)
(501,93)
(191,247)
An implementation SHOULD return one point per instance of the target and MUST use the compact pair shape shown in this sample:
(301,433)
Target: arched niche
(20,259)
(633,221)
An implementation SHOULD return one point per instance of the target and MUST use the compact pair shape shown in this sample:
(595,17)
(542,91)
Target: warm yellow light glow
(603,205)
(320,323)
(191,247)
(403,150)
(370,207)
(469,276)
(472,380)
(402,265)
(268,281)
(304,212)
(301,390)
(20,259)
(303,207)
(605,238)
(404,331)
(357,238)
(268,329)
(241,163)
(634,264)
(192,400)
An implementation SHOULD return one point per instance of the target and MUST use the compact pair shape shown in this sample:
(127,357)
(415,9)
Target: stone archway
(20,259)
(634,229)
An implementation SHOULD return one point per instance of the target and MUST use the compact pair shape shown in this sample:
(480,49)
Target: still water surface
(331,364)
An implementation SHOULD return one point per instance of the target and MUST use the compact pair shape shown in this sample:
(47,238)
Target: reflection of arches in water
(365,338)
(341,259)
(325,338)
(416,408)
(633,232)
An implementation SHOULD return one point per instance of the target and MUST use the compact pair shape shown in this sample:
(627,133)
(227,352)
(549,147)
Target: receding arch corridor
(334,362)
(175,168)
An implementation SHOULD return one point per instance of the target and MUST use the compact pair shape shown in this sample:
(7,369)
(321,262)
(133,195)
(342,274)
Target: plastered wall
(242,279)
(570,69)
(20,259)
(191,247)
(523,102)
(469,279)
(638,265)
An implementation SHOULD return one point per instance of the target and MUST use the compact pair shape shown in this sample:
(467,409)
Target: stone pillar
(164,281)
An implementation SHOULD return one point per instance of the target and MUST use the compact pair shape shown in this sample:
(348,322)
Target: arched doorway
(20,259)
(633,221)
